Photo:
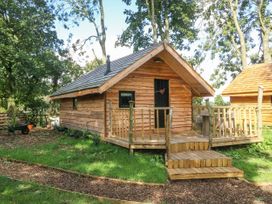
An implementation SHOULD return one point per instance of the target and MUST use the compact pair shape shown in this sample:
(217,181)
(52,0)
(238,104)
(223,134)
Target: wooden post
(206,122)
(167,135)
(110,117)
(130,132)
(259,114)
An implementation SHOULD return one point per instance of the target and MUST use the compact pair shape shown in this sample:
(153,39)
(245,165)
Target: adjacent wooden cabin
(144,101)
(243,90)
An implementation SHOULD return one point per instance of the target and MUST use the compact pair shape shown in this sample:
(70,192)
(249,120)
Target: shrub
(96,139)
(60,128)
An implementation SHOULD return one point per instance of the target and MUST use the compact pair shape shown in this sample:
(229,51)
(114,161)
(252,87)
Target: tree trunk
(266,49)
(166,23)
(265,32)
(240,32)
(102,36)
(151,13)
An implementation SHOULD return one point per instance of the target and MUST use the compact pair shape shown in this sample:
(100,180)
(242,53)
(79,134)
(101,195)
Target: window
(125,97)
(74,103)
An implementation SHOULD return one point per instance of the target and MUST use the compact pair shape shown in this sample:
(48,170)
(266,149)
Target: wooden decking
(190,158)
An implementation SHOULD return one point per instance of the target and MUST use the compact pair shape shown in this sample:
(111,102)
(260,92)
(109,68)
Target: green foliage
(180,14)
(254,159)
(92,65)
(96,139)
(12,191)
(198,101)
(32,60)
(223,41)
(219,101)
(85,156)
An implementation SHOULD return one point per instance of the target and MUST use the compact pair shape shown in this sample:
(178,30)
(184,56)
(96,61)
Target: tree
(88,10)
(30,52)
(159,20)
(265,25)
(230,25)
(219,101)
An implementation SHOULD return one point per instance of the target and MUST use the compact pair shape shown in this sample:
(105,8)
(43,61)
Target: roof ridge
(96,77)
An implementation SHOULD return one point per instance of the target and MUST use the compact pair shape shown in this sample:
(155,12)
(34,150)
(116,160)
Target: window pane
(125,97)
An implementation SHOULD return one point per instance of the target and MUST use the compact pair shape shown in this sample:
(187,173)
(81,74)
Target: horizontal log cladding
(142,82)
(88,115)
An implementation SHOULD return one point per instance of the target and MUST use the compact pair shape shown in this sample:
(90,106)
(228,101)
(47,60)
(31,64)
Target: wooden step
(203,173)
(180,144)
(198,159)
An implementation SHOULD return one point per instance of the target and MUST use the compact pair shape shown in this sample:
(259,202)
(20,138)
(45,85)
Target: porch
(140,128)
(188,154)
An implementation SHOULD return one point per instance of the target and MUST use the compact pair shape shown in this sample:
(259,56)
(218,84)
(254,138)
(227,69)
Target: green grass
(255,159)
(12,191)
(83,156)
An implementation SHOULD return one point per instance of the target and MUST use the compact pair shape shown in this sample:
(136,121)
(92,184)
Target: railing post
(259,111)
(168,135)
(110,119)
(130,132)
(206,123)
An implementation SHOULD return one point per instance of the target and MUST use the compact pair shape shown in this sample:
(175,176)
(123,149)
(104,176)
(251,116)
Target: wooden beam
(75,94)
(255,93)
(259,116)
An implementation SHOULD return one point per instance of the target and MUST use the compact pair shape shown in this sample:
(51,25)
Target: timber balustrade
(227,125)
(231,121)
(140,125)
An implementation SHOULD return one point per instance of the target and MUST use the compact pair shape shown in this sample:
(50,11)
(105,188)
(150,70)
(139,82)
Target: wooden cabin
(156,79)
(144,101)
(243,90)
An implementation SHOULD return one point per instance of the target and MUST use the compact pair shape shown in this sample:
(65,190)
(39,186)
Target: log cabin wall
(89,113)
(142,82)
(252,100)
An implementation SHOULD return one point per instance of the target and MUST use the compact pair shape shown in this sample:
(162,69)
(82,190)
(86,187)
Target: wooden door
(161,88)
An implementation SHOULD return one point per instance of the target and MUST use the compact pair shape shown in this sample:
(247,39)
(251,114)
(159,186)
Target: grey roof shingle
(97,77)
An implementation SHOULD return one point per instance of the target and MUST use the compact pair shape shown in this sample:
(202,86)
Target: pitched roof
(248,81)
(97,77)
(97,82)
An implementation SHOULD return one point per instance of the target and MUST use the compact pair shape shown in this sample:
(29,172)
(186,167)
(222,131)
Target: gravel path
(192,191)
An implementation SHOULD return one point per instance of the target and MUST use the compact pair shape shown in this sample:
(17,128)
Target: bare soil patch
(192,191)
(35,137)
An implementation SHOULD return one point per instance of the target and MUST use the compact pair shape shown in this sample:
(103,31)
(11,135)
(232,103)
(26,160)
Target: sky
(115,23)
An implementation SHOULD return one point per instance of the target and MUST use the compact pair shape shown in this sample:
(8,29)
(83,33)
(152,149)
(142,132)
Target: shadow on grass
(102,160)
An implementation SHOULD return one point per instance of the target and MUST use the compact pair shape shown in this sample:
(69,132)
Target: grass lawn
(254,159)
(84,156)
(12,191)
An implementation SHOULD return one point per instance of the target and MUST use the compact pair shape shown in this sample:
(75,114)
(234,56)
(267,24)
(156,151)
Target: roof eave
(75,94)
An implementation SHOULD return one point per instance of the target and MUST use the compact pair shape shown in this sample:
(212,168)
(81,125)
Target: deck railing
(228,123)
(140,124)
(231,121)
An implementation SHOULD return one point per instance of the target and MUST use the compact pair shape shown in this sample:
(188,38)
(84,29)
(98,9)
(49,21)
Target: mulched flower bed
(191,191)
(35,137)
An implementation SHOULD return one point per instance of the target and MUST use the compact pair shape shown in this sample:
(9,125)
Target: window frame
(133,99)
(74,103)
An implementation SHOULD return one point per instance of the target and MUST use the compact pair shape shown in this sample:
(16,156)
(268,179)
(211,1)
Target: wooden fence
(3,121)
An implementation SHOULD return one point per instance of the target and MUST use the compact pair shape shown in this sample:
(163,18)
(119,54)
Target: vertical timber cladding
(142,82)
(89,113)
(253,101)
